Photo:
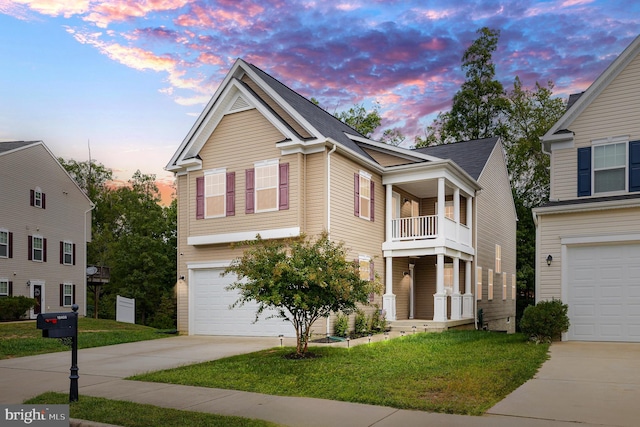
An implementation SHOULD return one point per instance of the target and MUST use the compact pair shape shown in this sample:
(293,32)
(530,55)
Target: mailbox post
(64,325)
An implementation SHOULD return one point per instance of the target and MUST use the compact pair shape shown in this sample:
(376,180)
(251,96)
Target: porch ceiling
(423,189)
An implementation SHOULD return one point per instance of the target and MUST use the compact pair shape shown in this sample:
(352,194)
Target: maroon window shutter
(44,250)
(73,298)
(200,197)
(44,201)
(32,197)
(10,288)
(61,252)
(231,193)
(30,248)
(10,245)
(61,294)
(373,188)
(284,186)
(249,192)
(73,254)
(372,273)
(356,194)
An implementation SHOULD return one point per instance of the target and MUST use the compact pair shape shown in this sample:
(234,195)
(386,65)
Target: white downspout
(335,147)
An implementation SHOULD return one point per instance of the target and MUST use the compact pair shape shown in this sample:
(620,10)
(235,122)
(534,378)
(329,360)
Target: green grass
(460,372)
(128,414)
(19,339)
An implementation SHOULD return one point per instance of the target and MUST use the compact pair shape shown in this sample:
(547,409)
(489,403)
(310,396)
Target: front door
(37,295)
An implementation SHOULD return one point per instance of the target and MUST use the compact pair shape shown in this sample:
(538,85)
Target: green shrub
(545,321)
(13,308)
(341,326)
(361,327)
(377,322)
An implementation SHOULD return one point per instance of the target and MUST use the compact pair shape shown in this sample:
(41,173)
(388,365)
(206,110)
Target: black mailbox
(57,325)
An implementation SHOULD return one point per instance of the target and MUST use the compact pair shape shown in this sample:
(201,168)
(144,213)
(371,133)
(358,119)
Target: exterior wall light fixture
(549,259)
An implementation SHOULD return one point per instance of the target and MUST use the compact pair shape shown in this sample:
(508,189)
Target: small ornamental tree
(303,280)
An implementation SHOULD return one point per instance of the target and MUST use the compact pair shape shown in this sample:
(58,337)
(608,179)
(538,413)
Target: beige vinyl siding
(614,112)
(182,290)
(315,193)
(553,227)
(240,140)
(63,219)
(276,107)
(496,224)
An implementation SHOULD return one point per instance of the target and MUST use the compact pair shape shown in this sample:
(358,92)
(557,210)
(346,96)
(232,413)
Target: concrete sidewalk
(585,384)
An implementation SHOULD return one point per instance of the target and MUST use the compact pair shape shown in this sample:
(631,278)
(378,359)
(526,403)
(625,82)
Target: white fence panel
(125,309)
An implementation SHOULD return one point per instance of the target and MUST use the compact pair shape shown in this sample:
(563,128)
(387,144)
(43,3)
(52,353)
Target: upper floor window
(364,191)
(267,187)
(67,253)
(448,209)
(498,259)
(6,244)
(37,248)
(4,288)
(214,192)
(37,198)
(610,167)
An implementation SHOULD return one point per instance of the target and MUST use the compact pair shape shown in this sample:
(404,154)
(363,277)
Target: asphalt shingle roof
(471,156)
(12,145)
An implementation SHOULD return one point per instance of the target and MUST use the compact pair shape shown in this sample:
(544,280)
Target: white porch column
(440,297)
(456,215)
(441,202)
(388,212)
(470,212)
(389,299)
(456,298)
(412,290)
(467,298)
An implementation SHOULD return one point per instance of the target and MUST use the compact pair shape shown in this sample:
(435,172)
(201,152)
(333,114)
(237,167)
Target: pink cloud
(67,8)
(121,10)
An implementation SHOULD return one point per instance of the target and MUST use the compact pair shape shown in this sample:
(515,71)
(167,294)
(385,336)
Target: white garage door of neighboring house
(212,315)
(604,292)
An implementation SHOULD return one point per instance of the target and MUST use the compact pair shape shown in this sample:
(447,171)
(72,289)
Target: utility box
(57,325)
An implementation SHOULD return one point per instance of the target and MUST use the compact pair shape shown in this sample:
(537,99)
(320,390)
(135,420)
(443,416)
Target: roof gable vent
(239,104)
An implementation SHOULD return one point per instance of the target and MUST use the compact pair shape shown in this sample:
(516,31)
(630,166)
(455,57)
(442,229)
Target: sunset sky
(128,78)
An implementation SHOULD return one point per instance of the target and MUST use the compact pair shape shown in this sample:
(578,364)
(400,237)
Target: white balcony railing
(420,227)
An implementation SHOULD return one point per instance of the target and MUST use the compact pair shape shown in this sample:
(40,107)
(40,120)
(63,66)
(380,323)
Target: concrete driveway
(25,377)
(582,382)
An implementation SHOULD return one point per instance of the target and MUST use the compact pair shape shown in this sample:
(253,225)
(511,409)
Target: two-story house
(436,224)
(588,234)
(45,222)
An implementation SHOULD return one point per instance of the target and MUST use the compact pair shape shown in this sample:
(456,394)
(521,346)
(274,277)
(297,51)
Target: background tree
(365,122)
(303,280)
(479,105)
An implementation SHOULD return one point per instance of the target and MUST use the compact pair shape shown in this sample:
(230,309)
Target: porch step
(416,325)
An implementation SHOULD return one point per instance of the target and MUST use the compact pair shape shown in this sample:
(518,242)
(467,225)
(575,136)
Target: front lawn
(19,339)
(129,414)
(459,372)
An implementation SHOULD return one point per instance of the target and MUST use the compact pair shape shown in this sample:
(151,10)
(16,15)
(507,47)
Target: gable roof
(6,146)
(471,156)
(560,130)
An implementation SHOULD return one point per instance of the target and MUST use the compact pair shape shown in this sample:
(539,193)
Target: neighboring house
(588,234)
(436,224)
(45,222)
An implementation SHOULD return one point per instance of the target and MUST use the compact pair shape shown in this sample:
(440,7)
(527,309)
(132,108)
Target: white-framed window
(448,277)
(498,259)
(4,244)
(448,209)
(4,287)
(513,286)
(364,267)
(504,287)
(479,283)
(490,284)
(67,295)
(609,166)
(266,185)
(365,195)
(37,249)
(37,197)
(67,253)
(215,192)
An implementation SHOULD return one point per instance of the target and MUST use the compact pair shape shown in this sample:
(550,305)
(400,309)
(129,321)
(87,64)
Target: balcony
(422,233)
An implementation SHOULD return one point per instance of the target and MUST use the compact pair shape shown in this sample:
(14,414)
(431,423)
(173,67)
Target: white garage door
(604,293)
(212,315)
